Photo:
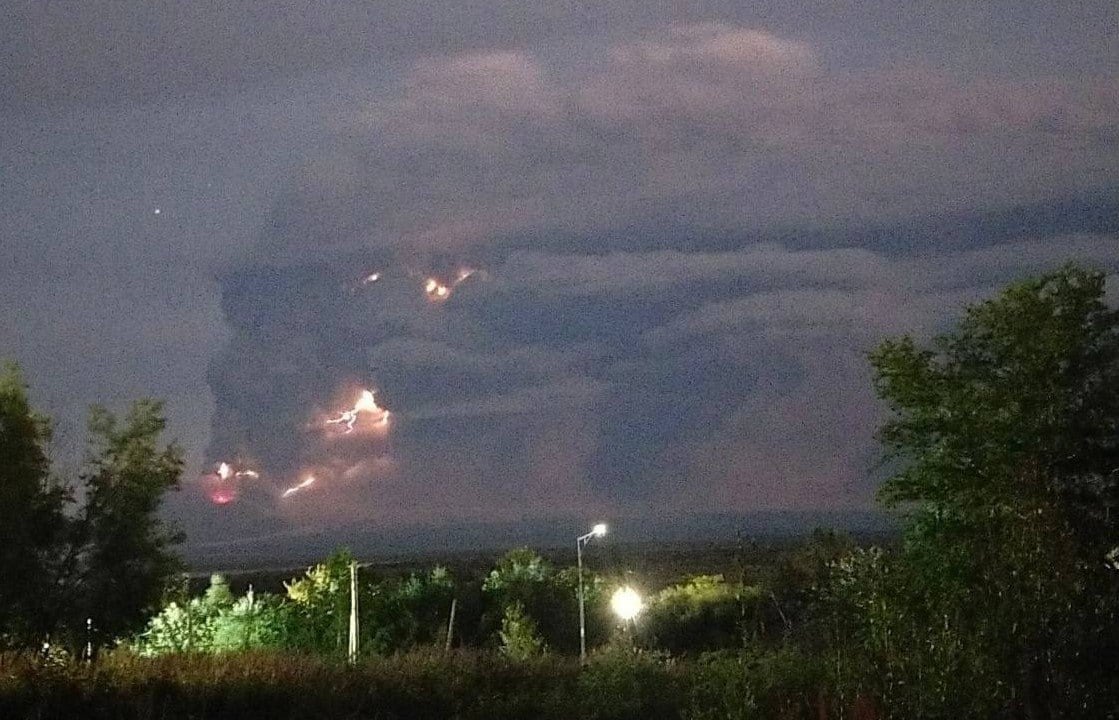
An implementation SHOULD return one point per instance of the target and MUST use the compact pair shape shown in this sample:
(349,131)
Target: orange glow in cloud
(437,291)
(306,483)
(220,483)
(223,497)
(366,404)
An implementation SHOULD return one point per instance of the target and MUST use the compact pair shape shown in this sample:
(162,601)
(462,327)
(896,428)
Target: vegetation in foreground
(1002,601)
(615,685)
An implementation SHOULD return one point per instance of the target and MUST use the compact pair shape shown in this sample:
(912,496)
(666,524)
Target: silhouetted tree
(1006,432)
(121,557)
(32,524)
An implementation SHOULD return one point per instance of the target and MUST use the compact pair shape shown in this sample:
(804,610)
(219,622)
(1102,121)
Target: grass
(463,685)
(263,685)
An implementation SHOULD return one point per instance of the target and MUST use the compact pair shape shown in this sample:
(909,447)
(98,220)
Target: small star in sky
(157,211)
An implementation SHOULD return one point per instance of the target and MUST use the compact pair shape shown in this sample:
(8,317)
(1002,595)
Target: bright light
(626,603)
(365,404)
(599,530)
(307,482)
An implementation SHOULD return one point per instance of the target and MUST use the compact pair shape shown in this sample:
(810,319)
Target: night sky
(687,224)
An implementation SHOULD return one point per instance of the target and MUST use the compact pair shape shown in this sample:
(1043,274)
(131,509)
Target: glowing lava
(365,404)
(221,482)
(306,483)
(225,471)
(437,291)
(222,497)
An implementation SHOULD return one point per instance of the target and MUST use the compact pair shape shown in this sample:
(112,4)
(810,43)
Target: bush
(705,613)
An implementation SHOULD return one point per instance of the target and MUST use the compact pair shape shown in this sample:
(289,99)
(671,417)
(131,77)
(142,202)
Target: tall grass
(463,685)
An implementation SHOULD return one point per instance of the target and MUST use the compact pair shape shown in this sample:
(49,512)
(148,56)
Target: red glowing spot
(222,497)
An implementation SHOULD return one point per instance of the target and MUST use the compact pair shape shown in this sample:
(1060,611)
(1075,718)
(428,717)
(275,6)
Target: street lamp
(352,650)
(626,603)
(597,531)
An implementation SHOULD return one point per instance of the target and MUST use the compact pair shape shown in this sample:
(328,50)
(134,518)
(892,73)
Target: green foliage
(704,613)
(783,683)
(617,685)
(518,573)
(549,597)
(466,686)
(251,623)
(520,639)
(187,625)
(723,691)
(807,567)
(397,615)
(888,643)
(1005,431)
(32,524)
(320,612)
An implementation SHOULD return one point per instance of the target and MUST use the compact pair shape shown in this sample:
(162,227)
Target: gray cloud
(711,127)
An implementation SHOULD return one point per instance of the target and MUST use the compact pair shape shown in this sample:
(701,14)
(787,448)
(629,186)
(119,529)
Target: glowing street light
(626,603)
(597,531)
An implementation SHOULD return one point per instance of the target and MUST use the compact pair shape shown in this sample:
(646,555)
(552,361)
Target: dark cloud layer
(689,227)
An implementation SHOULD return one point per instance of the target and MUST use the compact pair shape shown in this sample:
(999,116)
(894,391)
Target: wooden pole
(451,625)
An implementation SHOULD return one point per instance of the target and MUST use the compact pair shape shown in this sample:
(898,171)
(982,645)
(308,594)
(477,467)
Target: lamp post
(597,531)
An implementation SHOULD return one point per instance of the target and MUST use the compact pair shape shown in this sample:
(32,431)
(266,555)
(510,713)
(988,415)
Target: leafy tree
(799,576)
(121,558)
(32,523)
(549,597)
(251,622)
(520,638)
(187,624)
(518,573)
(401,613)
(216,622)
(1006,435)
(319,618)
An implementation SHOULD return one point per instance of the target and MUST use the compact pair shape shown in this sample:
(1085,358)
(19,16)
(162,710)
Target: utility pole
(597,531)
(451,625)
(353,648)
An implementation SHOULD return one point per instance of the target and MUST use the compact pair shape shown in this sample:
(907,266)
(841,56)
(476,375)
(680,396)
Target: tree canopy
(100,552)
(1005,436)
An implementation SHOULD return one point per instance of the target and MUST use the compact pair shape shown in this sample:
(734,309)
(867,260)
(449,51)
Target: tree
(186,624)
(216,622)
(121,557)
(321,605)
(1005,433)
(520,638)
(548,597)
(401,613)
(32,523)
